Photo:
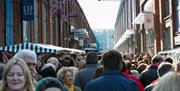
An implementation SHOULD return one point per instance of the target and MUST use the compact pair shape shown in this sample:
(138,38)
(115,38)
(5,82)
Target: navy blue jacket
(111,80)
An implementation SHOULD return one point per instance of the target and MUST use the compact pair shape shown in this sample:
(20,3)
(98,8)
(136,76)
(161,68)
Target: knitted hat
(48,70)
(49,82)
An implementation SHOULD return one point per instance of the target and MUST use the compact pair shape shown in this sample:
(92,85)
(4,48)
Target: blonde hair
(62,72)
(16,61)
(168,82)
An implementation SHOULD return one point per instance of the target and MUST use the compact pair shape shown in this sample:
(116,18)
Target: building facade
(51,22)
(159,26)
(155,24)
(125,30)
(105,39)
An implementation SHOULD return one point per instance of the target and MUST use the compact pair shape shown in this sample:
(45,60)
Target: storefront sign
(28,10)
(177,40)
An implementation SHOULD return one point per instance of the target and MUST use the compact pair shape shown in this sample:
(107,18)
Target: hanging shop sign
(28,10)
(149,20)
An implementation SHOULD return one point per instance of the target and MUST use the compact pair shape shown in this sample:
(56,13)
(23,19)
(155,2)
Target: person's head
(98,72)
(164,68)
(126,66)
(1,58)
(157,59)
(66,74)
(48,70)
(39,63)
(168,82)
(170,60)
(112,60)
(128,56)
(29,57)
(81,64)
(68,61)
(54,61)
(136,73)
(141,67)
(16,76)
(147,58)
(61,55)
(49,84)
(134,66)
(91,58)
(74,69)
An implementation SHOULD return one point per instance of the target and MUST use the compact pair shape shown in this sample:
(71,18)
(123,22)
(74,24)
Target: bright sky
(100,14)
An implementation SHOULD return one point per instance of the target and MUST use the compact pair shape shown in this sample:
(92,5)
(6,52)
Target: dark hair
(99,57)
(141,67)
(128,64)
(112,60)
(91,58)
(68,63)
(49,82)
(98,72)
(61,53)
(157,59)
(164,68)
(124,67)
(170,60)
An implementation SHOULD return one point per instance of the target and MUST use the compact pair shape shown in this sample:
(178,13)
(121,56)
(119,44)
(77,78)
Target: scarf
(70,87)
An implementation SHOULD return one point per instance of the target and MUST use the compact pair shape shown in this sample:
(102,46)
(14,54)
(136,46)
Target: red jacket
(134,78)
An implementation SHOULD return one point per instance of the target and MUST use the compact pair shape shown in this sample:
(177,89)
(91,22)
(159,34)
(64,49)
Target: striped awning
(38,48)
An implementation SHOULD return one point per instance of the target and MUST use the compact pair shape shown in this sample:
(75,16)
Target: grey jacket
(85,75)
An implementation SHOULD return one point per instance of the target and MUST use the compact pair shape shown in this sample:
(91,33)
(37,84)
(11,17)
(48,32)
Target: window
(44,21)
(129,10)
(57,29)
(167,38)
(177,16)
(124,19)
(51,28)
(150,40)
(167,7)
(9,22)
(36,21)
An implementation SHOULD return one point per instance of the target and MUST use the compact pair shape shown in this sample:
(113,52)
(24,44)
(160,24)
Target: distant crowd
(109,71)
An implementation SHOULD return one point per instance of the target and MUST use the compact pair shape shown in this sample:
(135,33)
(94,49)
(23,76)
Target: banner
(149,20)
(28,10)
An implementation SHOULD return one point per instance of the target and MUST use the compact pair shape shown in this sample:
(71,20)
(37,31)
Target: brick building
(51,24)
(155,25)
(159,25)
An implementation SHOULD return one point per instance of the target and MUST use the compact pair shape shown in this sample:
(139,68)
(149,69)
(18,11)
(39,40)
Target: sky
(100,14)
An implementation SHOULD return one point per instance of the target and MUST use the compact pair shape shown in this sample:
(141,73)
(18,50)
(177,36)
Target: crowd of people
(111,71)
